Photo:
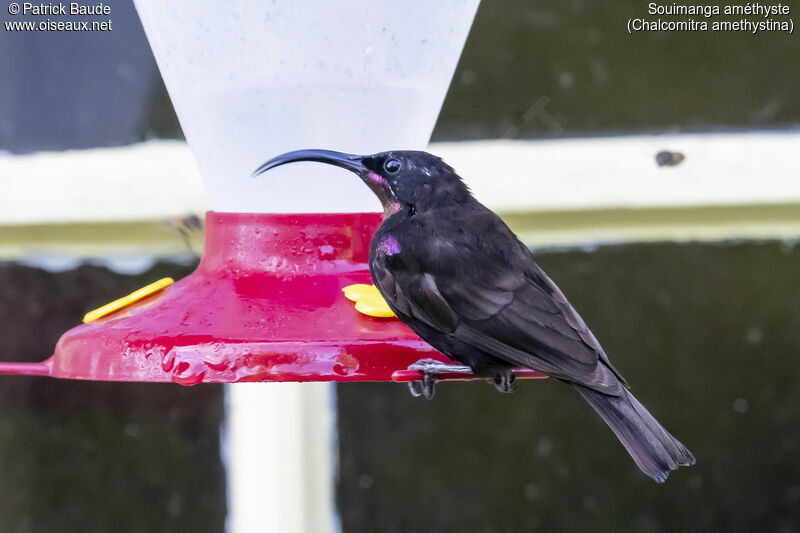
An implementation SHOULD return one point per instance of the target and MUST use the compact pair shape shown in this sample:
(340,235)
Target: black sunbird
(452,271)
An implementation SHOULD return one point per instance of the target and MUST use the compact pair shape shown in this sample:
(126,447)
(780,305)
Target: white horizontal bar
(159,179)
(612,172)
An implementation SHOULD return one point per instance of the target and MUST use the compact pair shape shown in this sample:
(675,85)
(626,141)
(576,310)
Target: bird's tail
(654,450)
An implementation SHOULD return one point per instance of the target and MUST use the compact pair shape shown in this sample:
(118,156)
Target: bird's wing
(497,300)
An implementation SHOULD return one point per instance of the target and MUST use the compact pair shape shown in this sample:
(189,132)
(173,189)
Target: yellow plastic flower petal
(368,300)
(125,301)
(359,290)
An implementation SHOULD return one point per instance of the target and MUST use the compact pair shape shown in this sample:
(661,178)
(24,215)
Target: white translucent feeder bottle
(251,79)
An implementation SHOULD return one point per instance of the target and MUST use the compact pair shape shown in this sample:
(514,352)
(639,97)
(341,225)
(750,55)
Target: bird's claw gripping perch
(424,388)
(431,368)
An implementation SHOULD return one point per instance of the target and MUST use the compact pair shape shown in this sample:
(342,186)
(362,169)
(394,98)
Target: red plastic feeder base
(265,304)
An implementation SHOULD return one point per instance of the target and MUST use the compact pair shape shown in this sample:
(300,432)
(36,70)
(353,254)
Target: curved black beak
(353,163)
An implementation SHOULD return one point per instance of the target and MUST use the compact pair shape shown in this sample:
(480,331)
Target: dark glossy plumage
(456,275)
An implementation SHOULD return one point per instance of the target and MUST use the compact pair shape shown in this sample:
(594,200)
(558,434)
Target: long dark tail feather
(654,450)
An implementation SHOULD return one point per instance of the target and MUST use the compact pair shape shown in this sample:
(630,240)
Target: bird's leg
(430,368)
(504,381)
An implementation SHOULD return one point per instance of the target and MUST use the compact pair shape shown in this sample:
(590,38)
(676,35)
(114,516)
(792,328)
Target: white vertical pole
(280,457)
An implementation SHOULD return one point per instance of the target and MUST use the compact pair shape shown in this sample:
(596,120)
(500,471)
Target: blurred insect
(190,229)
(665,158)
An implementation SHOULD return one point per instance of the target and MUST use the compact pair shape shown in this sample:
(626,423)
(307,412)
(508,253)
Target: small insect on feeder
(272,298)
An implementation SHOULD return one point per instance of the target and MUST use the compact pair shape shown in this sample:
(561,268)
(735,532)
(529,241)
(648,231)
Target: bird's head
(401,179)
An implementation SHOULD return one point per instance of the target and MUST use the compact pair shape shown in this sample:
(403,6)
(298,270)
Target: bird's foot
(504,381)
(430,368)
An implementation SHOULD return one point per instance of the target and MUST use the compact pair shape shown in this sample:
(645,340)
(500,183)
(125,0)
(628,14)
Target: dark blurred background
(707,333)
(79,456)
(708,337)
(570,61)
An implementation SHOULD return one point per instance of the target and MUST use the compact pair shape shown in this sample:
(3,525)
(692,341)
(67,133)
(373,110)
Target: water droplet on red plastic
(189,373)
(168,361)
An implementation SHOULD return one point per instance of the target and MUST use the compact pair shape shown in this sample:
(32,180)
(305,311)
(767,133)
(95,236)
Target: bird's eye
(391,166)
